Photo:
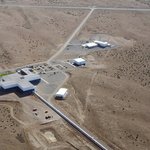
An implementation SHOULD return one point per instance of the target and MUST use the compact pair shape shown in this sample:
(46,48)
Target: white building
(102,44)
(25,86)
(61,93)
(79,62)
(89,45)
(21,80)
(32,77)
(8,84)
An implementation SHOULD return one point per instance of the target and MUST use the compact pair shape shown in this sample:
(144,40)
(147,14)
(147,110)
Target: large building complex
(22,80)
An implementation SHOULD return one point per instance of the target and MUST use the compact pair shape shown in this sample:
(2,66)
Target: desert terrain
(34,35)
(109,96)
(23,128)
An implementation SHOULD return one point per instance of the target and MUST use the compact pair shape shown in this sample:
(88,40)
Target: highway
(73,124)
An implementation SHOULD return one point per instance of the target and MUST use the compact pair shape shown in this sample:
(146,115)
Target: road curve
(72,36)
(73,124)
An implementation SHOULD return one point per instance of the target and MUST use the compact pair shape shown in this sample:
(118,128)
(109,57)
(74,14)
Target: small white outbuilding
(89,45)
(102,44)
(79,62)
(61,93)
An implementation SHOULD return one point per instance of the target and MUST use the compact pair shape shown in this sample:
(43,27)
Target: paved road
(121,9)
(43,6)
(75,7)
(72,36)
(76,126)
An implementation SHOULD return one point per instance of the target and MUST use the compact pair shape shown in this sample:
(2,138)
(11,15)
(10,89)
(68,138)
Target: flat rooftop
(91,44)
(62,91)
(79,60)
(22,81)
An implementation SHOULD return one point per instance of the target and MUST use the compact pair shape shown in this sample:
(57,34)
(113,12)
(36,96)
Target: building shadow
(36,82)
(17,91)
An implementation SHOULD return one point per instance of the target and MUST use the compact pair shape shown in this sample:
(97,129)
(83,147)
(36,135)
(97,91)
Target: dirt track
(30,130)
(10,127)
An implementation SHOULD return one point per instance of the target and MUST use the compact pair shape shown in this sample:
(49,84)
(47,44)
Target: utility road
(76,7)
(72,36)
(73,124)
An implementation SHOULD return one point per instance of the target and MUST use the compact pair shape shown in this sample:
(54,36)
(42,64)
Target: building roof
(32,77)
(78,60)
(62,91)
(25,86)
(6,84)
(102,43)
(91,44)
(19,80)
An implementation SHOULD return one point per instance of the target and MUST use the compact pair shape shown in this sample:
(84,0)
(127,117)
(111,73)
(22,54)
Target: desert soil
(34,35)
(23,128)
(111,96)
